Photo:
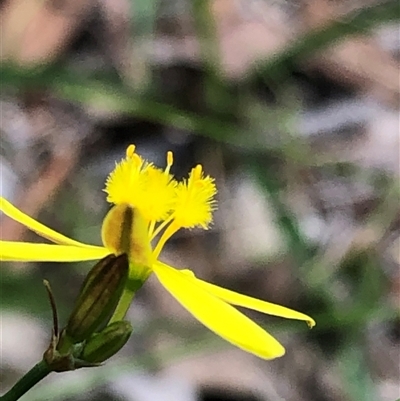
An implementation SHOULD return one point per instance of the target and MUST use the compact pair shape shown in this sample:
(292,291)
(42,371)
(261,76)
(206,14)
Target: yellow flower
(149,207)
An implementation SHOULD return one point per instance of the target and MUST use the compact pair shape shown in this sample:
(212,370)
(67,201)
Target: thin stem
(126,298)
(34,376)
(123,305)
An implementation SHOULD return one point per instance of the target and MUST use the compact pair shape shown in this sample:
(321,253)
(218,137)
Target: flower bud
(98,297)
(108,342)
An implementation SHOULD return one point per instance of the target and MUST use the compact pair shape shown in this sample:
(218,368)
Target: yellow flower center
(141,185)
(163,203)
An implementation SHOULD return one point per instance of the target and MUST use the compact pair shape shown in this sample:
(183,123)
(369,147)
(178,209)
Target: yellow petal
(28,252)
(237,299)
(11,211)
(218,315)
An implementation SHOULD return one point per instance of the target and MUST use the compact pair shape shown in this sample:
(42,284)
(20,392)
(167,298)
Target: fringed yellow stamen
(195,200)
(143,186)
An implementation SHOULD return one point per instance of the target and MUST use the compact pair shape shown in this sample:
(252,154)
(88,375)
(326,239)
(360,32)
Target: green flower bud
(107,343)
(98,297)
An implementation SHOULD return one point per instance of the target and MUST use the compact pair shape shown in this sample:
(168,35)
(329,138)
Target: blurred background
(292,106)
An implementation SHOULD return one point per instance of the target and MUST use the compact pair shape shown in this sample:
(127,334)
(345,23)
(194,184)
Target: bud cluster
(88,339)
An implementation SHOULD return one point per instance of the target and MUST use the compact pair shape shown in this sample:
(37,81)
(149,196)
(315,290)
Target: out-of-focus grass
(113,96)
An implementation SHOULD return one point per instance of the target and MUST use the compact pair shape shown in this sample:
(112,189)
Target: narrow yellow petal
(28,252)
(218,315)
(245,301)
(11,211)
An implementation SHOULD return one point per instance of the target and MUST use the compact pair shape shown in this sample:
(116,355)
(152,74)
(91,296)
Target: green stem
(34,376)
(123,305)
(126,299)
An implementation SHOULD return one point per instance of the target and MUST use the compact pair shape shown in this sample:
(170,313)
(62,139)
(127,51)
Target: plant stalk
(23,385)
